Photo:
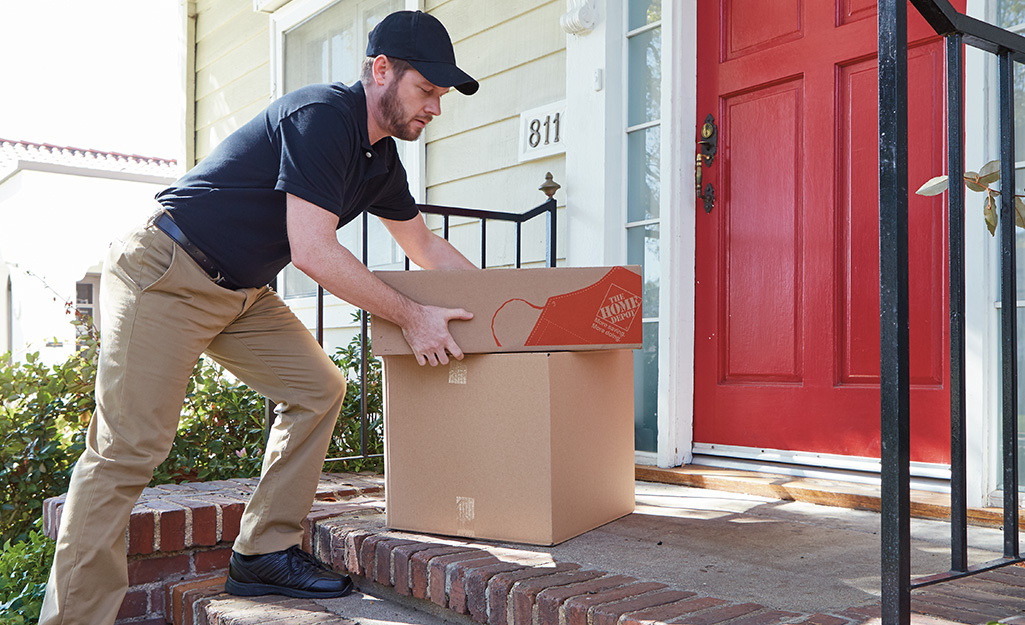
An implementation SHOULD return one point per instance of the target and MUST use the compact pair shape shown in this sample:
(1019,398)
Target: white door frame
(982,269)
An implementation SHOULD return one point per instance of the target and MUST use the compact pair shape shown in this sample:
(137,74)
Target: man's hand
(428,335)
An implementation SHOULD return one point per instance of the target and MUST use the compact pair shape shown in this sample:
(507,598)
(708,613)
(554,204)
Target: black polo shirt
(312,143)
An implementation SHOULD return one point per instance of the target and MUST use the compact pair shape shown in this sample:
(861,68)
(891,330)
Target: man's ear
(380,69)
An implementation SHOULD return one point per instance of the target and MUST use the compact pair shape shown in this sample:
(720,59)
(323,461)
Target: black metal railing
(547,209)
(959,29)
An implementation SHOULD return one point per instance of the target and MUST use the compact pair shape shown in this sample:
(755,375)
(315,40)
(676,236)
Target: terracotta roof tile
(11,152)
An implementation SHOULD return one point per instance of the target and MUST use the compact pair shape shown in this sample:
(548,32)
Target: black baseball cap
(421,40)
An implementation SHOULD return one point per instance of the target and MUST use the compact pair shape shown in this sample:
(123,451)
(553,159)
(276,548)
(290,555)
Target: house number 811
(551,130)
(541,132)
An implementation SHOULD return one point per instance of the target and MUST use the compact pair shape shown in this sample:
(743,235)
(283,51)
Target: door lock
(707,147)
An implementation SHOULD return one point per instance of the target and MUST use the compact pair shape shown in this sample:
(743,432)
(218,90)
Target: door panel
(859,202)
(763,335)
(787,292)
(750,28)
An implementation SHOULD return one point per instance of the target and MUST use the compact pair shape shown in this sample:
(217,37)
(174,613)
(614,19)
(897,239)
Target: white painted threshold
(646,458)
(996,499)
(855,469)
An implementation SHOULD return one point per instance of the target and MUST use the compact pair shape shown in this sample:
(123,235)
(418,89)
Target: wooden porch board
(924,504)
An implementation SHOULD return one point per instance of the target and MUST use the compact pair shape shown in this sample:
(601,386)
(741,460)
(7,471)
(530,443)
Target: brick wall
(180,536)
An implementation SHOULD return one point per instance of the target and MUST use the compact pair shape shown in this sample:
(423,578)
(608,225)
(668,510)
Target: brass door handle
(707,147)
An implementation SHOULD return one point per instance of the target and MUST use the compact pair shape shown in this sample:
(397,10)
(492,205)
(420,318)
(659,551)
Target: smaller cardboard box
(517,310)
(529,447)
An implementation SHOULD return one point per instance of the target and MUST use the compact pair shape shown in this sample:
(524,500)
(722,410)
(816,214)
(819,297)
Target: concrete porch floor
(767,559)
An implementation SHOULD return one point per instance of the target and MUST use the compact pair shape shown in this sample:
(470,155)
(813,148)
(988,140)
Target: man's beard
(396,120)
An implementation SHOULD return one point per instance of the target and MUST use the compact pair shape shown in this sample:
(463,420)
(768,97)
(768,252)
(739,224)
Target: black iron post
(483,243)
(552,226)
(893,313)
(363,333)
(519,244)
(1009,310)
(320,315)
(955,230)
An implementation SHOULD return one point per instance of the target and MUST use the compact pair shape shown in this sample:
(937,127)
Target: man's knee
(329,391)
(339,384)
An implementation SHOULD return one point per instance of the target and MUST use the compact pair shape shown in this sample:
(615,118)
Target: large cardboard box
(527,447)
(516,310)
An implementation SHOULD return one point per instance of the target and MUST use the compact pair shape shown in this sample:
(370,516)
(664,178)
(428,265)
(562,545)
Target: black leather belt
(171,229)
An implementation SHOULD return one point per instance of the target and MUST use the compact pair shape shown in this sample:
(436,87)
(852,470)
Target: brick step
(481,582)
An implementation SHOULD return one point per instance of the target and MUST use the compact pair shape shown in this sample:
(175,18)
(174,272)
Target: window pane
(643,12)
(1010,13)
(646,391)
(644,77)
(973,210)
(330,46)
(642,248)
(296,283)
(382,250)
(83,293)
(1019,114)
(644,173)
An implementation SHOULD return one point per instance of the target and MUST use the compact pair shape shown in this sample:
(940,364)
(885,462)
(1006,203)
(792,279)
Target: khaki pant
(161,311)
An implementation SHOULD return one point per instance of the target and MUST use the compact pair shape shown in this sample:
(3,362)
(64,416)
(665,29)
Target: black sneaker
(291,572)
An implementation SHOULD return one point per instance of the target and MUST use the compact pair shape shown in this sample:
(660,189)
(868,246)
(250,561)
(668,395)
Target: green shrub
(24,567)
(220,433)
(346,439)
(43,415)
(44,412)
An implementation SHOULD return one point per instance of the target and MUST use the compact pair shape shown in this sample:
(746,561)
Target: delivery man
(193,281)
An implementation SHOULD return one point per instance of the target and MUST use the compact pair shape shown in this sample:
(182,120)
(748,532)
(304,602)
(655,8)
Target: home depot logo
(617,312)
(601,313)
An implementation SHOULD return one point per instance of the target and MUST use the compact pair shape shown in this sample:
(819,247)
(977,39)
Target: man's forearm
(440,254)
(345,277)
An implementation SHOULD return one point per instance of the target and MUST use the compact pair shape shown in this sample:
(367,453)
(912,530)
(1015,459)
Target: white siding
(232,72)
(516,50)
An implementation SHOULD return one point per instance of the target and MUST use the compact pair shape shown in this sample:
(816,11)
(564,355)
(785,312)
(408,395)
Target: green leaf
(934,186)
(974,186)
(990,172)
(990,213)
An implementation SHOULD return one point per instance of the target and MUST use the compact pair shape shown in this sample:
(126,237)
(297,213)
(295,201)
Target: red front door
(787,293)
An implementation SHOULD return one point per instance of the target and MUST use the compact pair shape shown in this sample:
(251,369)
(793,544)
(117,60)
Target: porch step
(479,582)
(924,504)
